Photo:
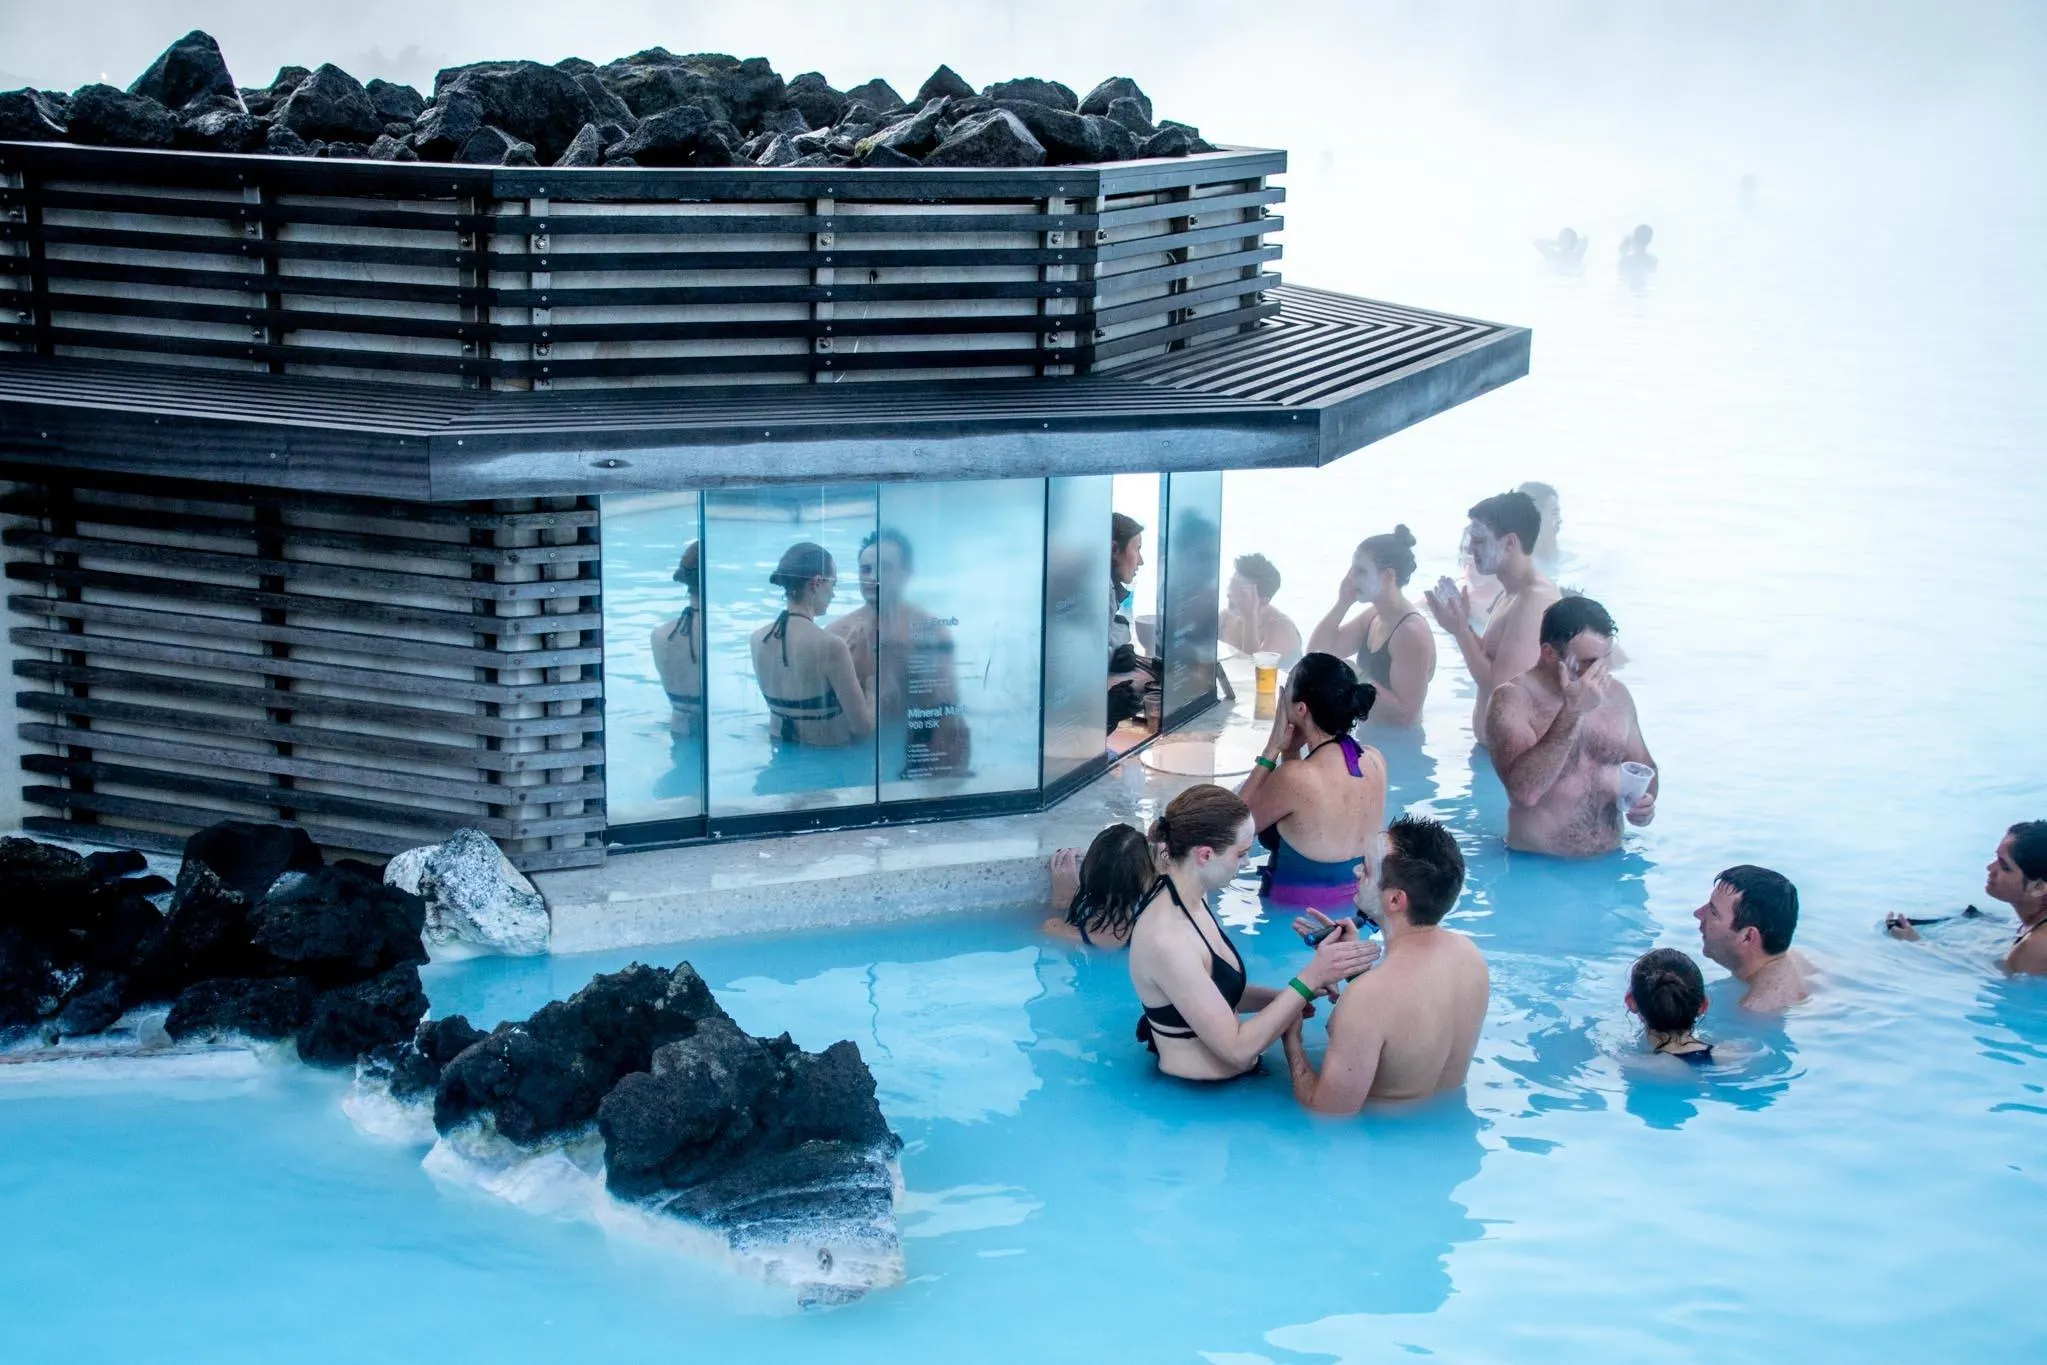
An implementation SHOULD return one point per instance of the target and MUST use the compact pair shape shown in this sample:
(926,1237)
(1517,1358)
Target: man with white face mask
(1504,530)
(1559,735)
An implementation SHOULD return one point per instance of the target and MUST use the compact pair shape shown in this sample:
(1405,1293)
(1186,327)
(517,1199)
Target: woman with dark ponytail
(1667,992)
(1319,796)
(1202,1017)
(1393,645)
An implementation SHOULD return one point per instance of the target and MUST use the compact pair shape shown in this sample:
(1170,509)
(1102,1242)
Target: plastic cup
(1635,780)
(1266,667)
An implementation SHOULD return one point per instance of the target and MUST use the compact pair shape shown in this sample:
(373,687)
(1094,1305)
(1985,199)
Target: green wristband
(1302,987)
(1266,763)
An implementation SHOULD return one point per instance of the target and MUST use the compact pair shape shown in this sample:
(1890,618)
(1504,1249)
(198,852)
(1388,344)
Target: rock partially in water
(189,71)
(30,116)
(473,894)
(996,138)
(32,988)
(350,1020)
(332,106)
(1037,91)
(267,1008)
(545,1076)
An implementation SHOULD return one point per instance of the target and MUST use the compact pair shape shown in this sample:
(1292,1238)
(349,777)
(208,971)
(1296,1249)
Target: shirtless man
(903,656)
(1250,623)
(1407,1028)
(2017,875)
(1746,927)
(1504,530)
(1559,734)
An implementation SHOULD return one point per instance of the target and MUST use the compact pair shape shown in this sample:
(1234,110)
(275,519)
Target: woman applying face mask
(1392,644)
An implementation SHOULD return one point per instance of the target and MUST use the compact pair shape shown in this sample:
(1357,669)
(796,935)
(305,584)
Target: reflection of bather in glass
(903,656)
(678,648)
(805,672)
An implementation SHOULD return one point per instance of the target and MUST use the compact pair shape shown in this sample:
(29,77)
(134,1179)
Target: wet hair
(1514,514)
(1669,990)
(799,564)
(894,537)
(1330,689)
(1571,616)
(1394,551)
(688,570)
(1258,571)
(1114,876)
(1769,903)
(1206,815)
(1423,860)
(2029,848)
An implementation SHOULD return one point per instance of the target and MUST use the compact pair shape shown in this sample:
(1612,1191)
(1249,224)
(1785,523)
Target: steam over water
(1801,463)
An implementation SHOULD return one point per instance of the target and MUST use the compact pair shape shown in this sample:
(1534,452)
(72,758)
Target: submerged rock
(472,893)
(266,1008)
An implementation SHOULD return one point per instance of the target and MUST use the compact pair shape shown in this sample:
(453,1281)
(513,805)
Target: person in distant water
(1394,647)
(1559,734)
(1318,796)
(1095,896)
(1407,1028)
(1636,262)
(1202,1017)
(1504,529)
(1668,992)
(1131,673)
(678,648)
(805,672)
(1250,622)
(903,656)
(2017,875)
(1566,249)
(1485,589)
(1746,926)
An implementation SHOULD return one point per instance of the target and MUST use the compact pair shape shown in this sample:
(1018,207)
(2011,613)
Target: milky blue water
(1801,462)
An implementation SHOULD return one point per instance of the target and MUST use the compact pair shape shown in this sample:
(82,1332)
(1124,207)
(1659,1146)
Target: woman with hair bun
(1667,992)
(805,672)
(1202,1018)
(1392,643)
(1319,796)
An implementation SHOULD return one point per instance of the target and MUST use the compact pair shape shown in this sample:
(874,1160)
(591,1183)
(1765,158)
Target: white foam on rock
(134,1051)
(825,1265)
(377,1113)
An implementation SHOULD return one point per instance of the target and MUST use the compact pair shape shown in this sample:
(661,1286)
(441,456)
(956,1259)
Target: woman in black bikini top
(1202,1017)
(1667,989)
(1403,661)
(805,672)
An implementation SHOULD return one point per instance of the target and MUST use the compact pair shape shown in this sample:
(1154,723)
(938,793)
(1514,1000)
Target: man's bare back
(1407,1029)
(1779,983)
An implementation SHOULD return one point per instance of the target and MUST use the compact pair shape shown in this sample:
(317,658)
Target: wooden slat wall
(438,275)
(380,672)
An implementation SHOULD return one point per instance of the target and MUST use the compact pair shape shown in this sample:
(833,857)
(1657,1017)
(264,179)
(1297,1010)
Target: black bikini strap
(780,631)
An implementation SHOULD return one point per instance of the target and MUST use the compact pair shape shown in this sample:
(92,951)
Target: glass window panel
(951,591)
(653,659)
(789,726)
(1135,702)
(1193,566)
(1076,622)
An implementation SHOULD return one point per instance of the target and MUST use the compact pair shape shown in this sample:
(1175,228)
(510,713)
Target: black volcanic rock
(490,146)
(944,83)
(389,148)
(35,876)
(1131,115)
(1037,91)
(540,105)
(331,106)
(188,71)
(682,136)
(656,80)
(1102,99)
(102,116)
(221,130)
(1068,139)
(1117,142)
(547,1075)
(249,856)
(394,103)
(786,120)
(915,136)
(605,107)
(995,138)
(883,157)
(263,101)
(93,1006)
(811,95)
(207,934)
(445,126)
(30,116)
(1167,142)
(350,1020)
(31,986)
(878,93)
(585,149)
(337,924)
(282,141)
(267,1008)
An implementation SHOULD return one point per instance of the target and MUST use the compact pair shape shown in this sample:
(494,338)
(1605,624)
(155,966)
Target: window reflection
(947,636)
(653,658)
(790,720)
(1133,544)
(1076,623)
(1193,568)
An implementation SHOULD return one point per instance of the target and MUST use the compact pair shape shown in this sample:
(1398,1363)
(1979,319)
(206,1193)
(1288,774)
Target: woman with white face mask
(1392,644)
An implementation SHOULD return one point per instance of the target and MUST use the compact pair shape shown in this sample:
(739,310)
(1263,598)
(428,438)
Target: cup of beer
(1266,666)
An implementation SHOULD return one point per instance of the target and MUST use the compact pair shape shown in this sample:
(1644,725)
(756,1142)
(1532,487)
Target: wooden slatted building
(313,466)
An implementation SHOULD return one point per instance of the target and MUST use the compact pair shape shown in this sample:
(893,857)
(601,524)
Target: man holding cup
(1566,742)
